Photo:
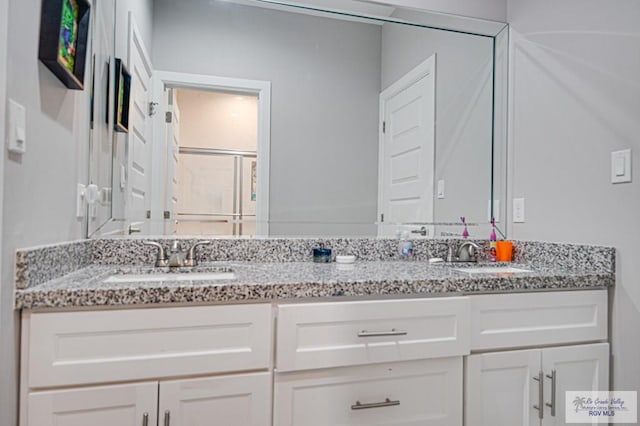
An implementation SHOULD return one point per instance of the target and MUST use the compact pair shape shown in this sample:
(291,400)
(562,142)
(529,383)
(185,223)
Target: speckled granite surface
(73,274)
(294,280)
(37,265)
(134,252)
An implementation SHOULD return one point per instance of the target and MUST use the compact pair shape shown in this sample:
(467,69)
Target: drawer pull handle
(552,404)
(387,403)
(145,419)
(393,332)
(540,406)
(167,418)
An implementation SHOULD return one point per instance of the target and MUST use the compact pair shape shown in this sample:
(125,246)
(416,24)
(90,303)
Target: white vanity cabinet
(70,361)
(527,387)
(508,388)
(392,362)
(233,400)
(388,363)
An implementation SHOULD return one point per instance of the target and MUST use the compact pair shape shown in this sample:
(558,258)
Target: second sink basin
(169,275)
(492,270)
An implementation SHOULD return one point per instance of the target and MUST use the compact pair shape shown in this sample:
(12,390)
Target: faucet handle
(191,254)
(161,260)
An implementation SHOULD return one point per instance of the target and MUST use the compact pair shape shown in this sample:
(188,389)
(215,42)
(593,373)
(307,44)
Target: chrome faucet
(467,252)
(175,258)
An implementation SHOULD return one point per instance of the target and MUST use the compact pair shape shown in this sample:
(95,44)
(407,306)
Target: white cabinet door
(411,393)
(576,368)
(122,405)
(238,400)
(500,389)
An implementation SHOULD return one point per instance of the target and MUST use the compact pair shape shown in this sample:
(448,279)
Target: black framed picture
(64,28)
(122,93)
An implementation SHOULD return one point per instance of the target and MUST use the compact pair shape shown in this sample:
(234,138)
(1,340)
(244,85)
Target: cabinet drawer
(425,392)
(320,335)
(519,320)
(106,346)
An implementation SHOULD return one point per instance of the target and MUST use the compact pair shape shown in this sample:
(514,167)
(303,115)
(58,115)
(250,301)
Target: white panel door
(239,400)
(139,151)
(576,368)
(500,389)
(173,155)
(407,151)
(412,393)
(122,405)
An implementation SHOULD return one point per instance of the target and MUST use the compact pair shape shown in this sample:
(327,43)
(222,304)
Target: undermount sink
(171,275)
(490,269)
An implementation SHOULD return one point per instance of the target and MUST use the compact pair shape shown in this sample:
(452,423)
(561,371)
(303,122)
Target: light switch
(518,210)
(621,166)
(441,189)
(17,142)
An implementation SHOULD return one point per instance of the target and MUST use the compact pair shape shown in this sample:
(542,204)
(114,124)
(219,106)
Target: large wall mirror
(252,118)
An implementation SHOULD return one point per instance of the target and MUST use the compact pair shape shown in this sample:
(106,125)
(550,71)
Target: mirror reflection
(251,118)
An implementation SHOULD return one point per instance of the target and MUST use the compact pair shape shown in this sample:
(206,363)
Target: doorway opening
(215,178)
(216,142)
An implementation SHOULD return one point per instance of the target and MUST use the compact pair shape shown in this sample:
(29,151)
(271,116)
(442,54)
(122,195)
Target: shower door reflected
(217,192)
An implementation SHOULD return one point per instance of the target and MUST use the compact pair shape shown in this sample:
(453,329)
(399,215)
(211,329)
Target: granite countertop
(296,280)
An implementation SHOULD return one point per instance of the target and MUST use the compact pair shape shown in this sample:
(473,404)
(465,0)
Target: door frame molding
(423,69)
(260,88)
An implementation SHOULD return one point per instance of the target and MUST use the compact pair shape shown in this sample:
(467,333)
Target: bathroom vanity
(295,343)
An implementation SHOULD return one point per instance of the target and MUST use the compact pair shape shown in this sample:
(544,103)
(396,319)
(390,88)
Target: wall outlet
(518,210)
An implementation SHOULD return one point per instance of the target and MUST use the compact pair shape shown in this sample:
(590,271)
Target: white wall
(218,120)
(575,96)
(324,115)
(7,387)
(463,109)
(39,195)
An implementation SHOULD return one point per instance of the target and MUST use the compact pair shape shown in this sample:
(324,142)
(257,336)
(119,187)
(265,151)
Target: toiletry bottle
(465,232)
(492,242)
(405,247)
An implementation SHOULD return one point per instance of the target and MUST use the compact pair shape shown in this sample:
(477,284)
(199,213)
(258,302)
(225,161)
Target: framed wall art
(122,94)
(64,30)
